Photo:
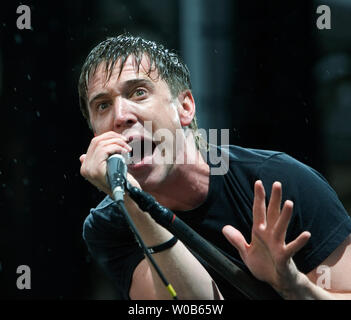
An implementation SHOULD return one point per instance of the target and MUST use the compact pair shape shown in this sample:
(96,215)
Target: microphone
(116,174)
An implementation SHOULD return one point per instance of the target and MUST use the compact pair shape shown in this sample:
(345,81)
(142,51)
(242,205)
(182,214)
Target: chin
(154,179)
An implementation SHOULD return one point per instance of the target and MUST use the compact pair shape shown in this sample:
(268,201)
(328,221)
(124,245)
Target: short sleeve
(113,245)
(317,208)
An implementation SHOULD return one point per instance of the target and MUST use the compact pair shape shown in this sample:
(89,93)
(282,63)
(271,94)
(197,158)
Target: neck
(186,186)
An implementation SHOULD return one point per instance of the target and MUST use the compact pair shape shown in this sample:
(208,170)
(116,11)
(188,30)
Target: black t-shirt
(317,209)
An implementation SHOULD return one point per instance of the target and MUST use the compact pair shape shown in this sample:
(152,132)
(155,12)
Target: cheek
(161,113)
(102,124)
(168,116)
(174,117)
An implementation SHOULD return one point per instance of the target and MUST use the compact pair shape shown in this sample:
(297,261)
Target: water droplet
(18,39)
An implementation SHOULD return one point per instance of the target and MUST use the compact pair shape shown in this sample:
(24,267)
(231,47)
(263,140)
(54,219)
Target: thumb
(82,158)
(132,181)
(236,239)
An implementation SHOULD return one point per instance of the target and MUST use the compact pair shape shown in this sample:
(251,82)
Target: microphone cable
(141,243)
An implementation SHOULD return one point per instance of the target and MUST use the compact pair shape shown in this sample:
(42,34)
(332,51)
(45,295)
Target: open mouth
(142,151)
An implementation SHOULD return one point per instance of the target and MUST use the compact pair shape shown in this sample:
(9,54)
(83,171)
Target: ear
(186,108)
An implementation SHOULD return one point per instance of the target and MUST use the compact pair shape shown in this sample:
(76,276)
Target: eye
(139,92)
(102,106)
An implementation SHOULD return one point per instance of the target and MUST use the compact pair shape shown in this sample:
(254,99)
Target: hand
(93,163)
(267,256)
(132,181)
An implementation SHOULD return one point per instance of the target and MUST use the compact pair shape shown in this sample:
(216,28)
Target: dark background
(260,68)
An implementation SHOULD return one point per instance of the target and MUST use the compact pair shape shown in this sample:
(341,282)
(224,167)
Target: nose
(123,115)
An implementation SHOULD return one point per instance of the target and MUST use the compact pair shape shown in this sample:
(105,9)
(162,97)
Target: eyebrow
(98,96)
(126,85)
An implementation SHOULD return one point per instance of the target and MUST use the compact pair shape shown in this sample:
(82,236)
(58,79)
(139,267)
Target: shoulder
(262,159)
(222,159)
(294,175)
(103,222)
(270,164)
(100,213)
(244,163)
(241,154)
(238,153)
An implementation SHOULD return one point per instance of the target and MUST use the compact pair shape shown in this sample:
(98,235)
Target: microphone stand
(247,284)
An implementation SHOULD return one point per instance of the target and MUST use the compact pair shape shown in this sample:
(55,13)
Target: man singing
(130,89)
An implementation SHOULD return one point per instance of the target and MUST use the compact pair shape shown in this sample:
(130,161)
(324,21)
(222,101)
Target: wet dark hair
(168,64)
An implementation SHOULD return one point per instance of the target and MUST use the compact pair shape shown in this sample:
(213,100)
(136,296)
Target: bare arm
(331,280)
(188,277)
(333,275)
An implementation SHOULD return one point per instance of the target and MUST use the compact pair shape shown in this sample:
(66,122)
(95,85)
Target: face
(138,106)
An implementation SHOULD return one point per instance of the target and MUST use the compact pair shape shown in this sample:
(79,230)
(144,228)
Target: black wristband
(163,246)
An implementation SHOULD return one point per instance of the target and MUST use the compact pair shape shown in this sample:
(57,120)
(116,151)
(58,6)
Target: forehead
(131,70)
